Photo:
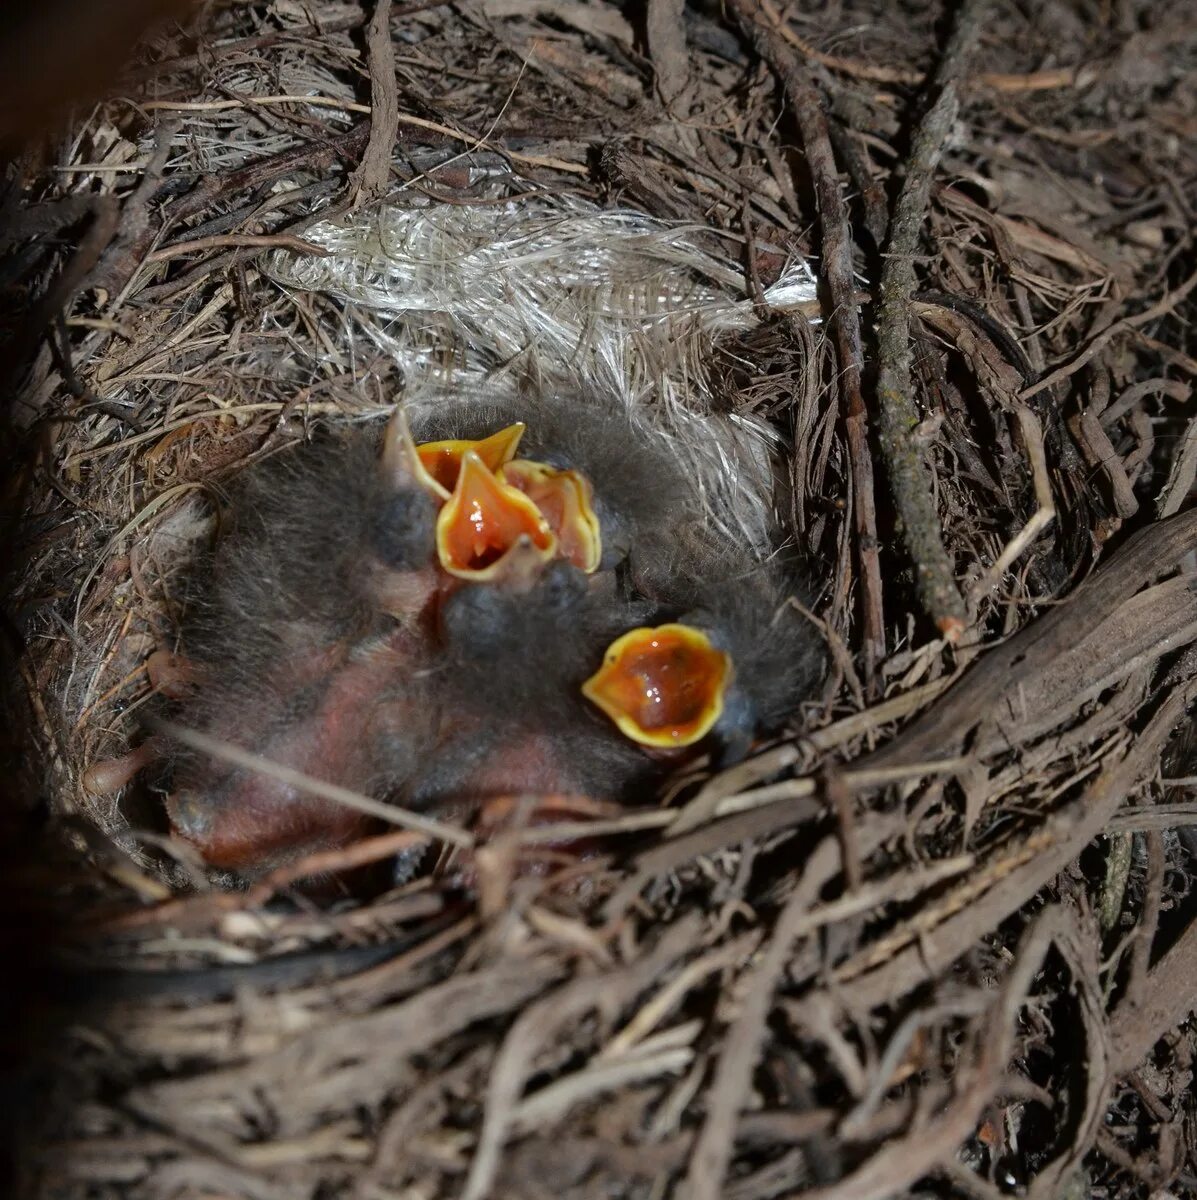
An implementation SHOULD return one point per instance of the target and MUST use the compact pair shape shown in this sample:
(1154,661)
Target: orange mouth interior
(442,460)
(564,499)
(484,521)
(662,687)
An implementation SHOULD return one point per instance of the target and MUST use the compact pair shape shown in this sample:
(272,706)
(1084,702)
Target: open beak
(501,518)
(487,529)
(662,687)
(442,460)
(565,501)
(401,461)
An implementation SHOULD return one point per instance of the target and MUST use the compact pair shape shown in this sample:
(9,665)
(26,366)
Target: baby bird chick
(521,599)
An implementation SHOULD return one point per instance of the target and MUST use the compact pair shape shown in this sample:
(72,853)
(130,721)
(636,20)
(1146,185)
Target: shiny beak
(442,460)
(489,530)
(662,687)
(565,501)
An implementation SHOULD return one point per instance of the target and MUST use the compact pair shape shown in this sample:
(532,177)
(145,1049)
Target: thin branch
(844,317)
(1160,308)
(256,241)
(729,1090)
(898,418)
(902,1161)
(371,178)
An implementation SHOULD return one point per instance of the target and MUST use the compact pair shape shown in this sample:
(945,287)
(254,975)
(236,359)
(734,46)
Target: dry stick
(540,1022)
(971,338)
(738,1058)
(330,862)
(665,32)
(1168,997)
(884,973)
(944,727)
(733,1075)
(1149,920)
(1181,475)
(372,176)
(899,1163)
(284,241)
(1036,81)
(909,473)
(1113,888)
(1160,308)
(844,318)
(391,813)
(123,255)
(353,1059)
(1077,942)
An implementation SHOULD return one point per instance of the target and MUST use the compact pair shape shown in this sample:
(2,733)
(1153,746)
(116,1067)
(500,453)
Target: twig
(1168,997)
(1164,305)
(1181,475)
(391,813)
(284,241)
(354,1059)
(981,340)
(844,317)
(733,1076)
(319,158)
(334,102)
(898,418)
(551,1105)
(1000,81)
(211,54)
(647,1018)
(1075,940)
(332,862)
(372,176)
(665,32)
(942,729)
(1045,505)
(970,1003)
(904,1160)
(538,1023)
(1113,887)
(123,257)
(1149,919)
(1003,885)
(1100,454)
(836,791)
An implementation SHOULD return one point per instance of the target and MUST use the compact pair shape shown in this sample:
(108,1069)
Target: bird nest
(937,936)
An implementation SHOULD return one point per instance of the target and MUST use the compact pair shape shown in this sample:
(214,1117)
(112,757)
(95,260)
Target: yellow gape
(486,525)
(564,499)
(663,687)
(442,460)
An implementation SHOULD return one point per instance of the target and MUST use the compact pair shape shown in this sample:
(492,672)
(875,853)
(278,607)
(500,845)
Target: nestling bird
(560,581)
(514,597)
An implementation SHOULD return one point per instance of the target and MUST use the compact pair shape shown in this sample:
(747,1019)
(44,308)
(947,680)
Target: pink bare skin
(347,734)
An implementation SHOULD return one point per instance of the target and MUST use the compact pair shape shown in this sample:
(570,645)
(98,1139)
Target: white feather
(555,292)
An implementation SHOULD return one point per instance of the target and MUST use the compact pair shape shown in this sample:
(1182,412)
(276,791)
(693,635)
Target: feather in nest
(552,293)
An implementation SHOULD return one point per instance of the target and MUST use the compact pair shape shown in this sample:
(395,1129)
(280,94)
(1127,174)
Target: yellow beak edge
(662,687)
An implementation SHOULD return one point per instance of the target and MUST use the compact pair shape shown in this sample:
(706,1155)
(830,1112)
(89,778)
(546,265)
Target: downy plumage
(330,640)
